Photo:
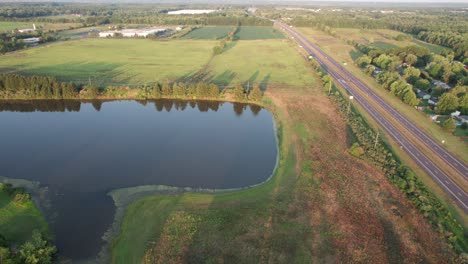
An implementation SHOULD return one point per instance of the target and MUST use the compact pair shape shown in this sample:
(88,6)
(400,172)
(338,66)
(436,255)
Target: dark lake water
(81,151)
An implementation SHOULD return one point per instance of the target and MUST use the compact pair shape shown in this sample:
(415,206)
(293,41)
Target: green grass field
(244,33)
(138,61)
(111,61)
(218,32)
(19,218)
(264,62)
(384,39)
(8,26)
(253,33)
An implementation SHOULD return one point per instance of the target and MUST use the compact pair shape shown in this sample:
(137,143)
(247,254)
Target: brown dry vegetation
(351,204)
(332,208)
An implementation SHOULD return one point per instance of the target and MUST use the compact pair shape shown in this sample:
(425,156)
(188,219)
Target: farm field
(384,39)
(270,62)
(144,61)
(253,33)
(8,26)
(79,32)
(244,33)
(218,32)
(104,63)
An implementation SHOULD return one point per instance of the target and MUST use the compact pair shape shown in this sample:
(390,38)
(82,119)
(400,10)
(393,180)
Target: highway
(392,122)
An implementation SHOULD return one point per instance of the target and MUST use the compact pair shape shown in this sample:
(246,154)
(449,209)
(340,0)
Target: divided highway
(369,100)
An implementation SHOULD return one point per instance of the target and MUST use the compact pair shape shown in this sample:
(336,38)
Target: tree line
(39,87)
(218,49)
(14,86)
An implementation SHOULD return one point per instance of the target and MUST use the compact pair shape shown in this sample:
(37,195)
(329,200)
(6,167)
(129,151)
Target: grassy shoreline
(320,205)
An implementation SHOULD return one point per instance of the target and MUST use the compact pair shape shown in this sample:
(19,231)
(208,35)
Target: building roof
(421,94)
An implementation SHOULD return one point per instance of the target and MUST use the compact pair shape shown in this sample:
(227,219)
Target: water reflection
(80,150)
(159,105)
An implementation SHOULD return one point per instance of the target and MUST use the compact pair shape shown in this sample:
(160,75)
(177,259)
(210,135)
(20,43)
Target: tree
(178,90)
(463,104)
(203,90)
(387,78)
(411,59)
(363,61)
(410,97)
(383,61)
(239,94)
(449,124)
(191,91)
(434,69)
(217,50)
(447,103)
(166,90)
(37,250)
(6,257)
(422,84)
(156,91)
(214,91)
(411,72)
(92,91)
(255,95)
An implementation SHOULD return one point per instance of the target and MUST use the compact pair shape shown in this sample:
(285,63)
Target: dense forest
(125,14)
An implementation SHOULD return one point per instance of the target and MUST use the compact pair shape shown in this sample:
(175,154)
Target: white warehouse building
(129,33)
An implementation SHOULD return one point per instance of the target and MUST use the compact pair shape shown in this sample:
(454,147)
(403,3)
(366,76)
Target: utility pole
(376,139)
(89,80)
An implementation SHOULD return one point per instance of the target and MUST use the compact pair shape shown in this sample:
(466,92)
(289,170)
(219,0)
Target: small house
(423,95)
(433,101)
(462,118)
(441,85)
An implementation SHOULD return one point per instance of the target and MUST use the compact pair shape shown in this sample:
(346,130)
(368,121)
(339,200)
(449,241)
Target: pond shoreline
(151,190)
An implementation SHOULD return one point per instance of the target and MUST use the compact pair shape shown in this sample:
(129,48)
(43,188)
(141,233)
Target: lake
(79,151)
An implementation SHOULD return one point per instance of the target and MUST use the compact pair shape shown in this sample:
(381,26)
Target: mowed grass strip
(271,62)
(218,32)
(111,61)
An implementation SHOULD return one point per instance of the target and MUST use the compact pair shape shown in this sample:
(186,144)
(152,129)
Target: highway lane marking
(397,115)
(386,106)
